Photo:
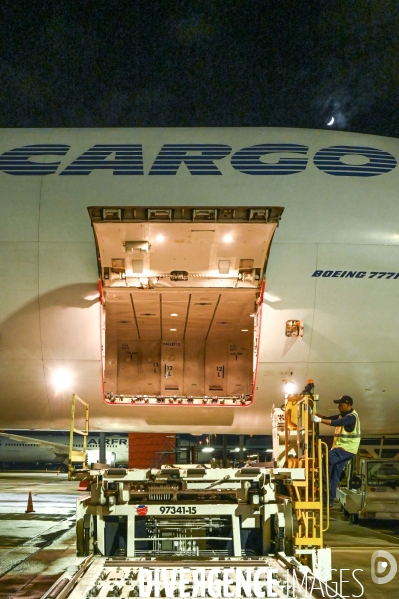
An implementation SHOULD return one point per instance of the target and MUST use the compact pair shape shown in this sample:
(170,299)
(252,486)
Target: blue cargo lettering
(317,273)
(128,160)
(343,273)
(361,274)
(337,273)
(327,273)
(377,162)
(248,160)
(17,161)
(198,158)
(351,274)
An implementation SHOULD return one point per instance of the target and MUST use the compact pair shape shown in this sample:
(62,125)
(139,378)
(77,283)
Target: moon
(331,122)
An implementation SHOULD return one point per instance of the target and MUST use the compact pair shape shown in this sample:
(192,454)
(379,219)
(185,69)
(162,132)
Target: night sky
(211,63)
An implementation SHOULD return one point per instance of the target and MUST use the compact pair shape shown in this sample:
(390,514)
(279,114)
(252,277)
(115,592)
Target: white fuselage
(333,265)
(13,451)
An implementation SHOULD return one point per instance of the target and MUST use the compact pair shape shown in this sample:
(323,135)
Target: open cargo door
(182,294)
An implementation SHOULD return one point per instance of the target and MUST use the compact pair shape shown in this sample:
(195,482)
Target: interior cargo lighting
(244,330)
(160,238)
(174,314)
(172,329)
(227,238)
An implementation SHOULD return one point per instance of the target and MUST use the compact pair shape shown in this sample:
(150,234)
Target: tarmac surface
(36,548)
(352,547)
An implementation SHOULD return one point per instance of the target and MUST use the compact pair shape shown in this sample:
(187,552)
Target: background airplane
(46,449)
(333,265)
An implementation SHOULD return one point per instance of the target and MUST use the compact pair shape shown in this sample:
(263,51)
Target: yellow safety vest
(348,441)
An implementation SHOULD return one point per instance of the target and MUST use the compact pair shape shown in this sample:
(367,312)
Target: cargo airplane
(185,279)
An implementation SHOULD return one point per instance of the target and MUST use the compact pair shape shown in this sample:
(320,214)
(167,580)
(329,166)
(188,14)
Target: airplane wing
(60,449)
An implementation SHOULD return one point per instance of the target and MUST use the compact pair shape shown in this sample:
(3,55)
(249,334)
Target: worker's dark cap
(344,399)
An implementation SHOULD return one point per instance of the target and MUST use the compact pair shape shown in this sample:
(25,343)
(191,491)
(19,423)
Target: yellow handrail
(77,456)
(327,483)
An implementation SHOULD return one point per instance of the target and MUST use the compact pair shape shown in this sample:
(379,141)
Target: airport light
(207,448)
(62,379)
(227,238)
(289,387)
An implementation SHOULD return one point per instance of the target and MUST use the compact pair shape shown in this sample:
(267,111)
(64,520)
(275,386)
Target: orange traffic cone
(29,508)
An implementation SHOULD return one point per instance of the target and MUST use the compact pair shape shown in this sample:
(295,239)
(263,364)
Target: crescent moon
(331,122)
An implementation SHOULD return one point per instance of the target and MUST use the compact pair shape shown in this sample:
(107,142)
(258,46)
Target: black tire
(354,518)
(345,512)
(341,507)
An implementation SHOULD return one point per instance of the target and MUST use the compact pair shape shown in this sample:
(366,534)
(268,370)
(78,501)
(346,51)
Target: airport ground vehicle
(258,518)
(374,492)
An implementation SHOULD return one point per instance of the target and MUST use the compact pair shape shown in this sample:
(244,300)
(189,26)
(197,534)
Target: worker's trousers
(337,460)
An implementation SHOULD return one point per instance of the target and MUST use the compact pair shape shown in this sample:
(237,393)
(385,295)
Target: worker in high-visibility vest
(346,440)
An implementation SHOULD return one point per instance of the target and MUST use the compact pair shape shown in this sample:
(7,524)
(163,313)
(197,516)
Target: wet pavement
(36,547)
(352,547)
